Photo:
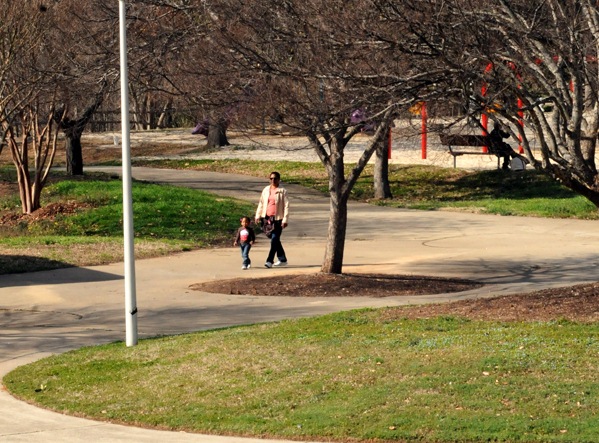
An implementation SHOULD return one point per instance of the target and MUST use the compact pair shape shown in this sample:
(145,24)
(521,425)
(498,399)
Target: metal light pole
(130,302)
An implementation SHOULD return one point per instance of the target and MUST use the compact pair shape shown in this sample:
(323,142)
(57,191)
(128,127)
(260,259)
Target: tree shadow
(17,264)
(42,270)
(515,186)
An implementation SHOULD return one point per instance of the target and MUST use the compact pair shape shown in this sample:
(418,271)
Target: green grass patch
(363,375)
(529,193)
(167,219)
(160,212)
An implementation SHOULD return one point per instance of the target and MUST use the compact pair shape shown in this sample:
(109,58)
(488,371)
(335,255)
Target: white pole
(130,302)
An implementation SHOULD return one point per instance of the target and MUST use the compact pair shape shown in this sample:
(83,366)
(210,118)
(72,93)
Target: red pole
(424,115)
(521,123)
(484,119)
(389,142)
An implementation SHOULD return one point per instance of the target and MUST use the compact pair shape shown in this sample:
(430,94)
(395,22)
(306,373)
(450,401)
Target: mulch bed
(578,303)
(337,285)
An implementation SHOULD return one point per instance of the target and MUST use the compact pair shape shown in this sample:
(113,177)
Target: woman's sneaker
(268,264)
(280,263)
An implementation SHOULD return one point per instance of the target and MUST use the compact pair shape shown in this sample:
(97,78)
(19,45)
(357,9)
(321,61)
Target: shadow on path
(61,275)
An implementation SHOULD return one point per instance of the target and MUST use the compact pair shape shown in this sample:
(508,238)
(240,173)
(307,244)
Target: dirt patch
(46,213)
(578,303)
(97,149)
(8,188)
(337,285)
(101,154)
(574,303)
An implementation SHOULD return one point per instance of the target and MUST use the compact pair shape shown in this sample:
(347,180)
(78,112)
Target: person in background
(273,207)
(245,238)
(500,148)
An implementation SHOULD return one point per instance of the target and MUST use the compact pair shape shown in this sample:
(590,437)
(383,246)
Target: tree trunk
(74,153)
(137,111)
(217,135)
(565,178)
(162,119)
(333,256)
(24,182)
(2,140)
(340,187)
(73,130)
(382,188)
(40,143)
(148,105)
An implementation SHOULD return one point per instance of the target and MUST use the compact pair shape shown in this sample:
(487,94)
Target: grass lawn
(167,219)
(425,187)
(368,375)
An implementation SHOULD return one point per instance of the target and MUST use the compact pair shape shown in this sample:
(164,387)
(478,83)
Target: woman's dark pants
(276,248)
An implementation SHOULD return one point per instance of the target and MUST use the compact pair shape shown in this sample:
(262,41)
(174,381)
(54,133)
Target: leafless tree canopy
(27,96)
(309,64)
(541,52)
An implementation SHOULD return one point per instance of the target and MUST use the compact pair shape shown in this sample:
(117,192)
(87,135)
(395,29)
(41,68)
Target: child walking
(245,238)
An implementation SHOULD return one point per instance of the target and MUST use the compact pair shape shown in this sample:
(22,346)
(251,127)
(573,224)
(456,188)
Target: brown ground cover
(337,285)
(574,303)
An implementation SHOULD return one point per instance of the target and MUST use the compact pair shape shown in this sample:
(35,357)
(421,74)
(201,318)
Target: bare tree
(84,66)
(202,79)
(311,65)
(541,54)
(158,37)
(90,50)
(16,39)
(27,97)
(73,128)
(36,140)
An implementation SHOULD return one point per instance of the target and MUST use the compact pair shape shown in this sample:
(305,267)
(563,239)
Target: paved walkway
(55,311)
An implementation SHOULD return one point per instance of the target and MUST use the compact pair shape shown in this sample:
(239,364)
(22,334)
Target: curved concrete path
(55,311)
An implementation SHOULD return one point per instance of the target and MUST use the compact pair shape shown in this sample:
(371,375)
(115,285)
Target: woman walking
(273,209)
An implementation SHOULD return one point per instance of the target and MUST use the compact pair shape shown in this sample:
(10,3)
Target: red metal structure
(423,142)
(485,119)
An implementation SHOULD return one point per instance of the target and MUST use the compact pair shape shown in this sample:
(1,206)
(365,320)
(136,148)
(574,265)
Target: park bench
(453,141)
